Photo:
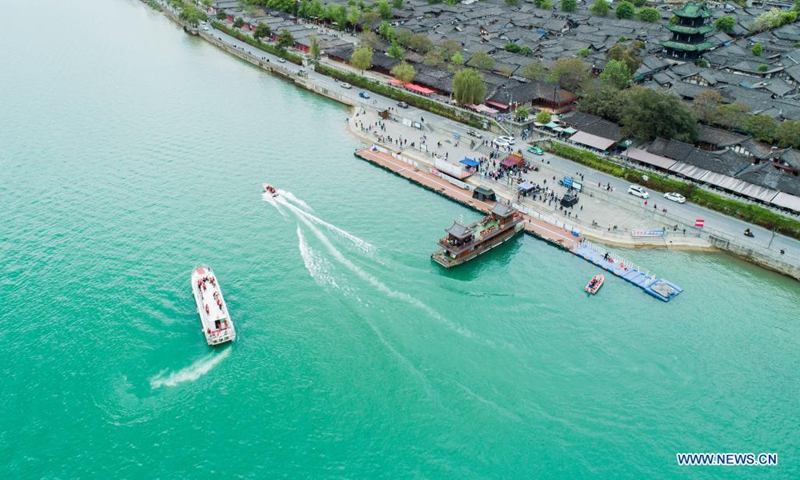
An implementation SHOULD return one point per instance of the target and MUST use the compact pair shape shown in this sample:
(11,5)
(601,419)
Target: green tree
(386,31)
(624,9)
(395,51)
(398,4)
(511,3)
(482,61)
(533,71)
(238,22)
(706,104)
(315,10)
(757,49)
(526,51)
(285,39)
(221,15)
(192,15)
(468,87)
(543,117)
(616,74)
(639,3)
(420,43)
(315,49)
(761,127)
(604,101)
(543,4)
(569,6)
(362,58)
(788,134)
(404,72)
(629,55)
(521,113)
(583,52)
(649,15)
(385,10)
(370,19)
(725,24)
(449,47)
(403,37)
(262,30)
(569,73)
(369,39)
(457,59)
(353,17)
(731,115)
(648,114)
(599,8)
(433,59)
(511,47)
(763,67)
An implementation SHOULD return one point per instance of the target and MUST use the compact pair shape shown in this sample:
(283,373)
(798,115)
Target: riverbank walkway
(569,240)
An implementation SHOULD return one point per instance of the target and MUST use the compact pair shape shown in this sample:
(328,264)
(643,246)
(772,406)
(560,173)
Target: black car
(402,104)
(473,133)
(569,200)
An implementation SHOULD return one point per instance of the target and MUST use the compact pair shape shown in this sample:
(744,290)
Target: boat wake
(318,267)
(292,198)
(190,373)
(271,200)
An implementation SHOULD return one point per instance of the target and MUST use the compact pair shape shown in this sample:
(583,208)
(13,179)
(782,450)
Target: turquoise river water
(131,152)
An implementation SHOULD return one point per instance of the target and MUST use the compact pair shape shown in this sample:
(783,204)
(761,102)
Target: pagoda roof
(688,47)
(693,10)
(702,30)
(459,231)
(502,210)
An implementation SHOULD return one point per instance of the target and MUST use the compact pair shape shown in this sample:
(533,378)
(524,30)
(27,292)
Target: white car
(347,85)
(675,197)
(638,191)
(507,139)
(500,142)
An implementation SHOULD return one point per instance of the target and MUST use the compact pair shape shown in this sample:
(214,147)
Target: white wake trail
(190,373)
(271,200)
(361,244)
(317,266)
(380,285)
(292,198)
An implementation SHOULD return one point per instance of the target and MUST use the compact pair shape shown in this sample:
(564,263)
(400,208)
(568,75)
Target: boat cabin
(457,236)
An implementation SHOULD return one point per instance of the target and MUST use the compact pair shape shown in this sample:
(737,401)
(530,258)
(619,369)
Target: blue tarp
(470,162)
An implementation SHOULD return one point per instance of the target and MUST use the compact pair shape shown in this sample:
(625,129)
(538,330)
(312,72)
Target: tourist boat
(214,317)
(465,242)
(270,189)
(594,284)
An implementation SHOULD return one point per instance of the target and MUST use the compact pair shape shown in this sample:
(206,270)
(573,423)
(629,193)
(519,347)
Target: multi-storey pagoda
(689,34)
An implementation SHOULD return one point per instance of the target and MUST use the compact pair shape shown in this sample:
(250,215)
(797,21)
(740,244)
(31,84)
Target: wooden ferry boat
(465,242)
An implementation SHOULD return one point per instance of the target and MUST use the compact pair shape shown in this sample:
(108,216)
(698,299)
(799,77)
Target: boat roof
(459,231)
(502,210)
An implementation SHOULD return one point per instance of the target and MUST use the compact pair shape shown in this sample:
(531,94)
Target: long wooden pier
(569,240)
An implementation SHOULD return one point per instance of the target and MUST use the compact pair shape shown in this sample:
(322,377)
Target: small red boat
(595,283)
(270,189)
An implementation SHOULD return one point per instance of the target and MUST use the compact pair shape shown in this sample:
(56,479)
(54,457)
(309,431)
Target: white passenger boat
(270,189)
(214,317)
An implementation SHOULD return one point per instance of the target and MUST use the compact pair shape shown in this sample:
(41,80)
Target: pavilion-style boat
(463,243)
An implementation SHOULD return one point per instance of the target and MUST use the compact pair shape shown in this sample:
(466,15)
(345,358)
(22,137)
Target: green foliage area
(569,73)
(747,212)
(403,37)
(482,61)
(533,70)
(773,19)
(543,117)
(398,4)
(238,22)
(154,5)
(404,72)
(362,58)
(521,113)
(569,6)
(511,3)
(757,49)
(395,51)
(583,52)
(420,43)
(639,3)
(600,8)
(294,58)
(262,30)
(624,10)
(649,15)
(761,127)
(788,134)
(725,24)
(648,114)
(385,10)
(616,74)
(469,87)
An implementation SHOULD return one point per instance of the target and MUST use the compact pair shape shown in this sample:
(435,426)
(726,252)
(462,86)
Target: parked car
(402,104)
(536,150)
(509,140)
(569,200)
(500,142)
(473,133)
(638,191)
(675,197)
(281,60)
(363,94)
(346,85)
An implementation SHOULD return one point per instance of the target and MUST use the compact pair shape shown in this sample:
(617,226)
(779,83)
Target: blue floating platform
(657,287)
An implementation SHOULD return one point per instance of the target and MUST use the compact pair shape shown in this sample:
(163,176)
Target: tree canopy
(404,72)
(533,70)
(361,58)
(649,15)
(649,114)
(625,9)
(395,51)
(725,24)
(482,61)
(569,73)
(543,117)
(468,87)
(761,127)
(385,10)
(420,43)
(285,39)
(616,74)
(315,49)
(569,6)
(522,112)
(788,134)
(599,8)
(262,30)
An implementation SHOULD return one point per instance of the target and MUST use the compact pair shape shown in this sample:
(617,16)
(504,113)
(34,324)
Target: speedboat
(594,284)
(214,317)
(270,189)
